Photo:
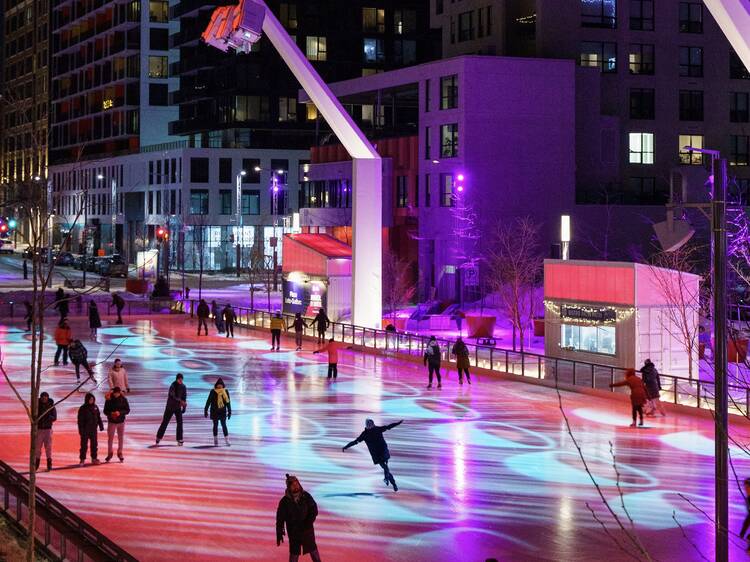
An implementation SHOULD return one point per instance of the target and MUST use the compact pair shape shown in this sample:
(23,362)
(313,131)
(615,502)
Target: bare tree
(398,285)
(256,271)
(514,266)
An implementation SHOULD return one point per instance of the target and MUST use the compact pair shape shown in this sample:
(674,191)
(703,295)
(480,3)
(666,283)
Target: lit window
(599,55)
(449,140)
(373,50)
(287,109)
(449,92)
(599,13)
(288,15)
(739,150)
(446,190)
(250,202)
(373,20)
(158,11)
(641,59)
(591,339)
(158,67)
(316,49)
(641,148)
(691,157)
(198,201)
(311,111)
(402,192)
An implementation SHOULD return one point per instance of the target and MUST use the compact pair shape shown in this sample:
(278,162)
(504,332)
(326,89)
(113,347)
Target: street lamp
(565,237)
(238,214)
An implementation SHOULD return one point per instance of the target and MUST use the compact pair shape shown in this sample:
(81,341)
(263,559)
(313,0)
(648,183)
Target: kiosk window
(591,339)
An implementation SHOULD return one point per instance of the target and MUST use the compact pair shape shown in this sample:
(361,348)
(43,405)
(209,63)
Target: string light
(621,313)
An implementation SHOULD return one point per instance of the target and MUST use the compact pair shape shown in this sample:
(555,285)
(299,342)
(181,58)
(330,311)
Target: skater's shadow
(353,495)
(59,468)
(154,446)
(204,447)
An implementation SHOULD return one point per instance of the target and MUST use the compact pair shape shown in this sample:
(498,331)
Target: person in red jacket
(637,393)
(332,347)
(63,337)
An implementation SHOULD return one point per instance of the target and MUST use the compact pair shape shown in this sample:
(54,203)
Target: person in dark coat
(299,325)
(95,322)
(432,360)
(89,422)
(79,356)
(653,385)
(176,406)
(218,317)
(47,415)
(220,409)
(29,314)
(746,522)
(322,322)
(119,303)
(25,269)
(116,408)
(297,511)
(61,303)
(203,313)
(373,438)
(461,351)
(229,320)
(637,393)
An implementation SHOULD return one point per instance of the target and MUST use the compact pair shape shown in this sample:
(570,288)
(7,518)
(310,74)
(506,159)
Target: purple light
(460,188)
(275,188)
(460,177)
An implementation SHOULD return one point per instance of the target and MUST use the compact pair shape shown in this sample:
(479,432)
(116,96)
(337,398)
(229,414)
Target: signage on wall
(304,297)
(108,104)
(589,314)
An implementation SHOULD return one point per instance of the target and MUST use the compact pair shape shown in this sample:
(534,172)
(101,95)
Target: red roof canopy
(324,244)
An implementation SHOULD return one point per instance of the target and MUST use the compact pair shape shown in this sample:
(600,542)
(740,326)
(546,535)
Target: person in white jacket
(118,376)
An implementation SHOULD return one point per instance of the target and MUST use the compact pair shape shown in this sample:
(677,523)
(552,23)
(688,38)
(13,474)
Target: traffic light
(4,228)
(162,234)
(12,224)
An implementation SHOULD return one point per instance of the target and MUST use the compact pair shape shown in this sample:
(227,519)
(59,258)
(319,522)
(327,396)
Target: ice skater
(277,324)
(79,357)
(63,337)
(745,523)
(218,317)
(653,386)
(462,360)
(61,303)
(118,377)
(637,394)
(322,322)
(119,303)
(432,360)
(373,438)
(229,319)
(95,321)
(176,406)
(220,408)
(89,423)
(29,314)
(203,312)
(47,415)
(332,347)
(116,408)
(299,325)
(298,511)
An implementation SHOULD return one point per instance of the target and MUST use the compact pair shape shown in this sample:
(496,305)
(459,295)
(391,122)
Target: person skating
(25,269)
(203,313)
(373,438)
(321,322)
(116,408)
(47,415)
(218,317)
(229,319)
(746,522)
(653,386)
(29,316)
(61,303)
(79,357)
(220,409)
(297,511)
(63,337)
(332,347)
(95,321)
(299,325)
(89,423)
(277,324)
(176,405)
(118,377)
(432,360)
(461,351)
(637,393)
(119,303)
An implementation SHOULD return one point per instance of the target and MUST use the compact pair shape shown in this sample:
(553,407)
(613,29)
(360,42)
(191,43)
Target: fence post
(674,388)
(698,394)
(574,373)
(506,361)
(539,366)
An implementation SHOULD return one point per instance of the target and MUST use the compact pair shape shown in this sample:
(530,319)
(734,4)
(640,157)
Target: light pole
(275,197)
(565,237)
(238,217)
(113,210)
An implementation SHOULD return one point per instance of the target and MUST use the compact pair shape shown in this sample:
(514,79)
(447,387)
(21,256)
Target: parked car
(78,262)
(65,259)
(7,246)
(27,254)
(92,263)
(113,266)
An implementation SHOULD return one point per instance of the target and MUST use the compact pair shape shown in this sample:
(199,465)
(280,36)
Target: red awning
(324,244)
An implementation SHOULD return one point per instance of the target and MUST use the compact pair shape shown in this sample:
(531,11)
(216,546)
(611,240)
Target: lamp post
(275,197)
(565,237)
(113,210)
(238,216)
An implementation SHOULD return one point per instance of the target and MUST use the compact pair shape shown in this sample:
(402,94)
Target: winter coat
(46,421)
(203,310)
(212,406)
(277,323)
(637,389)
(61,303)
(118,378)
(78,354)
(214,310)
(299,518)
(63,336)
(373,438)
(651,380)
(89,418)
(299,324)
(322,321)
(118,302)
(462,355)
(432,355)
(29,311)
(228,314)
(177,393)
(94,319)
(332,347)
(119,404)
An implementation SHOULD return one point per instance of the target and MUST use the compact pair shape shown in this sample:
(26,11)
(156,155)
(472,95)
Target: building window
(199,170)
(739,150)
(641,59)
(416,191)
(453,30)
(404,21)
(373,20)
(287,109)
(690,157)
(373,50)
(446,190)
(225,170)
(427,191)
(405,51)
(642,15)
(736,68)
(438,7)
(199,201)
(449,92)
(601,55)
(250,202)
(691,105)
(402,192)
(449,140)
(251,166)
(691,17)
(465,26)
(427,147)
(311,112)
(590,339)
(158,94)
(691,62)
(641,148)
(739,108)
(158,11)
(642,103)
(158,39)
(226,201)
(642,190)
(316,49)
(427,100)
(158,67)
(599,13)
(288,15)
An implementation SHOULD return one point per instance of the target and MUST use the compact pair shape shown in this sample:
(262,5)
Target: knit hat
(369,422)
(290,479)
(218,382)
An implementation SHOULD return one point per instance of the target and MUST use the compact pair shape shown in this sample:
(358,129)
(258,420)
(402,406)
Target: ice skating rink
(484,471)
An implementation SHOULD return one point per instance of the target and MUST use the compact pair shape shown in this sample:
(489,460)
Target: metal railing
(15,310)
(675,389)
(60,533)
